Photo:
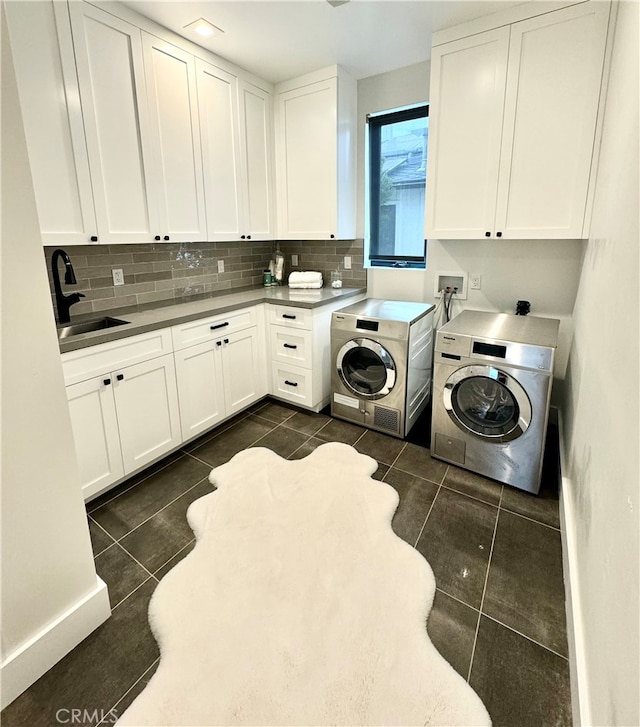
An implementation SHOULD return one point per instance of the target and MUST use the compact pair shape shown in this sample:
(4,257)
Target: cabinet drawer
(290,346)
(207,329)
(292,383)
(285,315)
(86,363)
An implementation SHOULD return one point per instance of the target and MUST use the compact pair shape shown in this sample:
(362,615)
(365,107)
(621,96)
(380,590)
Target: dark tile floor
(498,615)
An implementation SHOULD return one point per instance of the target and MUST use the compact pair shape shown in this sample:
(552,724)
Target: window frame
(372,191)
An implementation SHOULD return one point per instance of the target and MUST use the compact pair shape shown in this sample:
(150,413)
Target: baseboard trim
(29,662)
(575,627)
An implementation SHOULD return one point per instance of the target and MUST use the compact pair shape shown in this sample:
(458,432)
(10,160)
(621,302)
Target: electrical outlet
(347,262)
(475,281)
(294,260)
(118,276)
(221,266)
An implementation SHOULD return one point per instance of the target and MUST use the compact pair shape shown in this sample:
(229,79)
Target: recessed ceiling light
(204,28)
(337,3)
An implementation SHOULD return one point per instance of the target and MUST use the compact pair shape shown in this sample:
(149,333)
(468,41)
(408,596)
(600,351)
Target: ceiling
(281,39)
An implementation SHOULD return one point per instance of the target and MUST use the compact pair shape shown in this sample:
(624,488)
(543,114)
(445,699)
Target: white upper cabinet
(315,156)
(45,69)
(219,130)
(256,166)
(513,117)
(175,134)
(112,89)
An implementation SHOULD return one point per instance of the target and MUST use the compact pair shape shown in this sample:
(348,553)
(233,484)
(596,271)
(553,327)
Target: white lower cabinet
(218,378)
(123,420)
(95,433)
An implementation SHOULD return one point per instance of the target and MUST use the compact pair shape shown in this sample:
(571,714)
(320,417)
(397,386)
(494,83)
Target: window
(396,176)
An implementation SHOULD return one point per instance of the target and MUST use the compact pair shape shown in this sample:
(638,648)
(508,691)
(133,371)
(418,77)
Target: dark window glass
(396,187)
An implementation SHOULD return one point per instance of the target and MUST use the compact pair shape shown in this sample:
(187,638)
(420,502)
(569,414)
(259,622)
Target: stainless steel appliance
(491,392)
(381,354)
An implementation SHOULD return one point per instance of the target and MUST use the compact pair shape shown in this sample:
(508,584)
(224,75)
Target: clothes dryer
(491,391)
(381,354)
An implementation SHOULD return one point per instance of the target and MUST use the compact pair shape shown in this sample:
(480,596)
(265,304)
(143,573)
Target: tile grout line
(172,557)
(126,598)
(136,561)
(524,636)
(137,681)
(484,588)
(435,497)
(164,507)
(97,524)
(459,600)
(530,519)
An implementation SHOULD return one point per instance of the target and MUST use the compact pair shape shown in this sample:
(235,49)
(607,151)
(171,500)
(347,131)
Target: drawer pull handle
(289,345)
(290,383)
(219,325)
(106,382)
(120,377)
(286,315)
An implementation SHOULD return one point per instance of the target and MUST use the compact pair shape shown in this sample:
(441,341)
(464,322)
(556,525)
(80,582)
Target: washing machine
(491,393)
(381,354)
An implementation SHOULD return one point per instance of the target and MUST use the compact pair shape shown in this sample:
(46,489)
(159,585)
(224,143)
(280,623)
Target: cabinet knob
(226,340)
(157,237)
(243,237)
(498,234)
(106,382)
(119,377)
(166,237)
(332,237)
(248,237)
(218,343)
(487,234)
(94,238)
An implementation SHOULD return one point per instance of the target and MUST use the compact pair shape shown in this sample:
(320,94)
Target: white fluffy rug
(299,606)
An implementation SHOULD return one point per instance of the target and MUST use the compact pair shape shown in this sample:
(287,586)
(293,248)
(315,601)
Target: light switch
(221,266)
(347,262)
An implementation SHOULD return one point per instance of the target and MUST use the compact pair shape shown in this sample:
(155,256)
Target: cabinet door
(200,387)
(112,90)
(95,433)
(553,89)
(173,105)
(257,174)
(147,406)
(45,69)
(468,80)
(219,132)
(307,161)
(241,370)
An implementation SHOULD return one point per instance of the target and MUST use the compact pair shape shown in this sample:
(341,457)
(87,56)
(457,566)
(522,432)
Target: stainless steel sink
(98,324)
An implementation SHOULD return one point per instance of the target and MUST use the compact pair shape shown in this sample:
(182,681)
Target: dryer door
(366,368)
(488,402)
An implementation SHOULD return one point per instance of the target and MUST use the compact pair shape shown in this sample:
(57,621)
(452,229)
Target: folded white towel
(305,276)
(300,286)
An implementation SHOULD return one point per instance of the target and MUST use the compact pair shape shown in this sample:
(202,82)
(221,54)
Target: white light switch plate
(294,260)
(221,266)
(347,262)
(118,276)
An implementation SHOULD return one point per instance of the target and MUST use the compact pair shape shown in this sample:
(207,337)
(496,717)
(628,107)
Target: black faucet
(64,302)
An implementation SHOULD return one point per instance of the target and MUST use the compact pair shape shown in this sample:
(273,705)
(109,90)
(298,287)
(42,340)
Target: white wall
(600,488)
(48,572)
(544,272)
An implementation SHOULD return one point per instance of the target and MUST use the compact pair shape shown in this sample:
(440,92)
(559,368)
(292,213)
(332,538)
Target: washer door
(487,402)
(366,368)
